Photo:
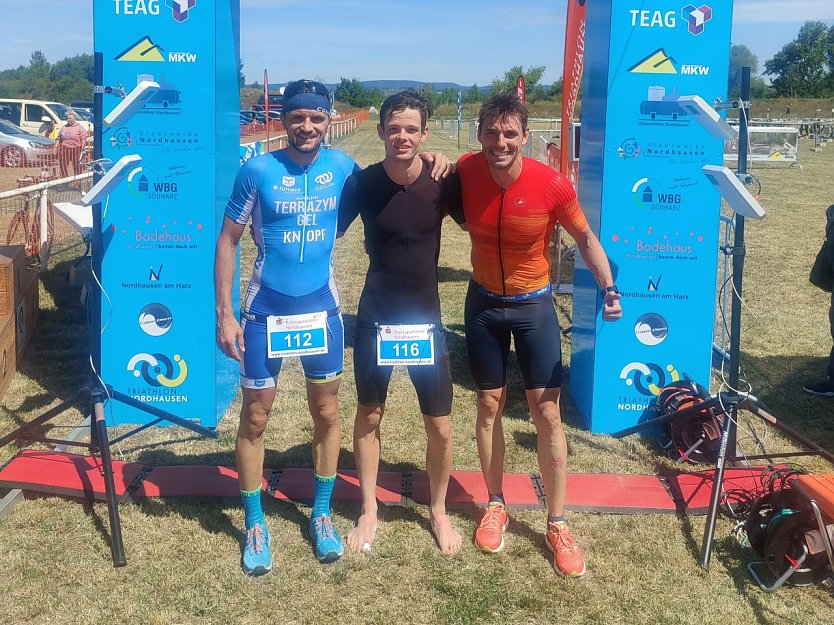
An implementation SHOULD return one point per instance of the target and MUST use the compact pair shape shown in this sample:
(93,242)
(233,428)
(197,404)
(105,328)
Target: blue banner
(655,212)
(161,224)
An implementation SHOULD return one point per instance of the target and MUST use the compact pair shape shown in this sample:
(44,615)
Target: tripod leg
(116,545)
(727,434)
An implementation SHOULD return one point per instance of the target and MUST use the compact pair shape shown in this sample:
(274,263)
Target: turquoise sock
(556,518)
(324,490)
(252,511)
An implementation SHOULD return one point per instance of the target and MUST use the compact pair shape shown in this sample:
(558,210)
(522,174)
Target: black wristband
(609,289)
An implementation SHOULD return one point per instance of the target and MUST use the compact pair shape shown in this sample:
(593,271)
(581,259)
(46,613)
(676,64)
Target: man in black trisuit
(402,209)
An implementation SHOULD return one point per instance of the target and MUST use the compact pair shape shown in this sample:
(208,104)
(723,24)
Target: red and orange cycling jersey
(511,228)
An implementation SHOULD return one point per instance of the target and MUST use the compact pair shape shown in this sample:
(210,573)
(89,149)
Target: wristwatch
(609,289)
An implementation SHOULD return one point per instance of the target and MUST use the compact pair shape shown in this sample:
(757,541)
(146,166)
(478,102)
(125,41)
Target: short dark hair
(407,99)
(501,106)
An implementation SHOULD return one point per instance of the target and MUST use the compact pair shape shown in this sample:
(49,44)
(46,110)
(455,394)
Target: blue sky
(462,41)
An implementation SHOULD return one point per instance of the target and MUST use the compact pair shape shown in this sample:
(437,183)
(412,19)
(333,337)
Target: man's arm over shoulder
(349,203)
(451,199)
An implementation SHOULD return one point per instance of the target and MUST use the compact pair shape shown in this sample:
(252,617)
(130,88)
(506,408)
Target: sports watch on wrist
(609,289)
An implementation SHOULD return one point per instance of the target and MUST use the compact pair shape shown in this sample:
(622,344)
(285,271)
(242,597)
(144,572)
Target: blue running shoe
(329,546)
(257,557)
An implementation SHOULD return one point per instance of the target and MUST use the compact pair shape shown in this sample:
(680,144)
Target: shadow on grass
(778,380)
(734,558)
(212,516)
(449,274)
(56,359)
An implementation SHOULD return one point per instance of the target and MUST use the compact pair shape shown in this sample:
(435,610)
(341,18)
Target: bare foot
(362,536)
(448,538)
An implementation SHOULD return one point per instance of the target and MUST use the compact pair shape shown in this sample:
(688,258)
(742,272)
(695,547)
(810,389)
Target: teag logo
(644,18)
(693,17)
(180,9)
(696,17)
(136,7)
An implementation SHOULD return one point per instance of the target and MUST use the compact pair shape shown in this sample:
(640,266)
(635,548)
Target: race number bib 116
(296,335)
(405,344)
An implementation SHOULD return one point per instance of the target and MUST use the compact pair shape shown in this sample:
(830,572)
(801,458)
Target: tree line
(803,68)
(68,79)
(351,90)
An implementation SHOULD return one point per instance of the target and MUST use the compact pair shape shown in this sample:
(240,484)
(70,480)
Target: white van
(30,115)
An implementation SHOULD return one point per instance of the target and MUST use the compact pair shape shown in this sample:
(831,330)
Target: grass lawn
(184,556)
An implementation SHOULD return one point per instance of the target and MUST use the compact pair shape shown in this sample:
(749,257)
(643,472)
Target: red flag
(521,89)
(572,72)
(266,108)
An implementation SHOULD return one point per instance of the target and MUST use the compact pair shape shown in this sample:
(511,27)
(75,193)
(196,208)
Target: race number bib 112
(296,335)
(405,344)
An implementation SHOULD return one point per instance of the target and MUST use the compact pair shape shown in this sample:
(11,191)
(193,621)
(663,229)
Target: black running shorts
(534,327)
(433,383)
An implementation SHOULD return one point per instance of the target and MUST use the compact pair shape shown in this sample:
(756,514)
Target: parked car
(276,101)
(247,117)
(260,116)
(84,115)
(87,105)
(19,148)
(31,115)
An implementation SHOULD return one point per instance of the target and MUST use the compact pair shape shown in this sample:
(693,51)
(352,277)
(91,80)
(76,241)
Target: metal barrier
(336,130)
(447,127)
(340,128)
(767,144)
(28,218)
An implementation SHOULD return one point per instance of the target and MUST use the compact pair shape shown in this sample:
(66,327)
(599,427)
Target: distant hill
(390,86)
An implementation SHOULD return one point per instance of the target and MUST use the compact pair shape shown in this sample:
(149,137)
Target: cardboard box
(26,316)
(8,358)
(15,278)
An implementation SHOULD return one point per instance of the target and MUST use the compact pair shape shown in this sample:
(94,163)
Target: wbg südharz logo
(158,370)
(649,193)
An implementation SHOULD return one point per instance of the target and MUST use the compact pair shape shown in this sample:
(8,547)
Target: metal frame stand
(96,393)
(732,401)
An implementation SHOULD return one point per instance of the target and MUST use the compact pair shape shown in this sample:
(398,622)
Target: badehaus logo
(156,233)
(652,244)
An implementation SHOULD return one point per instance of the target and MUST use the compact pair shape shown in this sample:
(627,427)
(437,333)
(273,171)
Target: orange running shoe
(567,556)
(490,533)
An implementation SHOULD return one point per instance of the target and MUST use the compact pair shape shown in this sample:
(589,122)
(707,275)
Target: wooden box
(15,278)
(8,356)
(26,316)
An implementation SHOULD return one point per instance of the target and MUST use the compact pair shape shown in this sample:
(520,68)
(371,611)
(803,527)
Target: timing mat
(80,476)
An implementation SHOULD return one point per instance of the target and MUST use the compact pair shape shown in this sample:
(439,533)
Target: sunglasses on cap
(305,86)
